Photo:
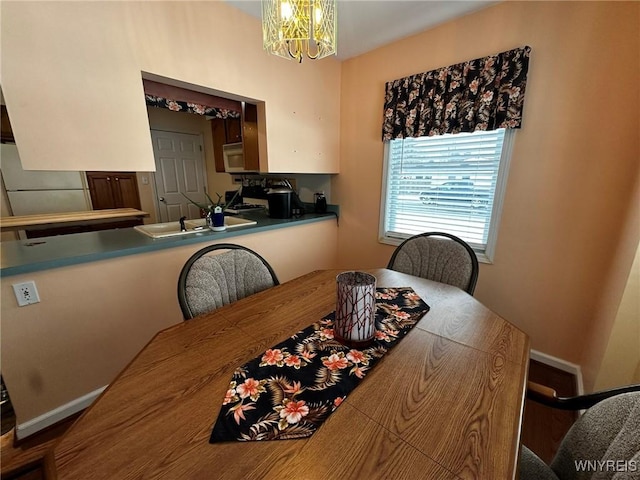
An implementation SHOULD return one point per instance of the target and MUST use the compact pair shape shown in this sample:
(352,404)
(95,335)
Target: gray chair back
(208,282)
(608,431)
(437,256)
(603,443)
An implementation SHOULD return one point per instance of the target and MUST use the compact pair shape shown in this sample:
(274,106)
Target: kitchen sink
(171,229)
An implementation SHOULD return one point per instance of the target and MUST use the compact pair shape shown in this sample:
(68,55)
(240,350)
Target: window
(451,183)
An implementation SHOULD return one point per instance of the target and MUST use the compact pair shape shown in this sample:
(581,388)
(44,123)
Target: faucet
(182,226)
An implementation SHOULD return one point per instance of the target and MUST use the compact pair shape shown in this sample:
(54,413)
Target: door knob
(162,199)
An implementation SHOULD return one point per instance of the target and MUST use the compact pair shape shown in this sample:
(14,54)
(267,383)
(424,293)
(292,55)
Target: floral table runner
(289,390)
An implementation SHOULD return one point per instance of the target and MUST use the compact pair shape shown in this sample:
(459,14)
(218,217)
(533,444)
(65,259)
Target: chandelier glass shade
(294,29)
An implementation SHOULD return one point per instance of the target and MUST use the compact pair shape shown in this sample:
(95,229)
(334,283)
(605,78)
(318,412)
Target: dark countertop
(36,254)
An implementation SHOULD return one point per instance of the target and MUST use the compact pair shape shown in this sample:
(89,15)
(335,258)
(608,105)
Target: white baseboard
(45,420)
(560,365)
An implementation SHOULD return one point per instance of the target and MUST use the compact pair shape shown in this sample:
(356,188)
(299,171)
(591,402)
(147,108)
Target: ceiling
(364,25)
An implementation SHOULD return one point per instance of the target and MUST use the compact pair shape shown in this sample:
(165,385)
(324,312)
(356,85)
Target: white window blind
(449,183)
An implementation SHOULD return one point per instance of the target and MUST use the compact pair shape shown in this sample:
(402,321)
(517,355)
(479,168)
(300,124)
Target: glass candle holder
(355,318)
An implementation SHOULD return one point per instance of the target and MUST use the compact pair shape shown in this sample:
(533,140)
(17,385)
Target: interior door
(180,169)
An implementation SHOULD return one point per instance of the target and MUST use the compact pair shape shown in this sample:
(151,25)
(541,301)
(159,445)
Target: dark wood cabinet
(233,130)
(236,130)
(7,132)
(224,130)
(219,139)
(113,190)
(250,138)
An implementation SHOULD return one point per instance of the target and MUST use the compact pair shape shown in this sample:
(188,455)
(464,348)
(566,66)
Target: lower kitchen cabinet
(113,190)
(6,133)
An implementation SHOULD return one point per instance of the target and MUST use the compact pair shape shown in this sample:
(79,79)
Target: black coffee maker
(284,201)
(280,202)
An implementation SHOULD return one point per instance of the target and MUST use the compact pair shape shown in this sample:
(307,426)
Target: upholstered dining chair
(437,256)
(221,274)
(603,443)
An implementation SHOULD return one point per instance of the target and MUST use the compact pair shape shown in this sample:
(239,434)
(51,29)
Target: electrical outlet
(26,293)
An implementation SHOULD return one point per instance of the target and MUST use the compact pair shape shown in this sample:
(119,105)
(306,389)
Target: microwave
(233,154)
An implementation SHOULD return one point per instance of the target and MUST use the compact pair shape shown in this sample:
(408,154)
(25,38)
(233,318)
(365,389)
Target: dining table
(446,402)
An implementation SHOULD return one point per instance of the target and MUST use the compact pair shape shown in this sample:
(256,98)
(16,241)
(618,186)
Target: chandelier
(298,28)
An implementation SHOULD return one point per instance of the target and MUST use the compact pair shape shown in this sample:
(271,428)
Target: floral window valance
(189,107)
(189,101)
(482,94)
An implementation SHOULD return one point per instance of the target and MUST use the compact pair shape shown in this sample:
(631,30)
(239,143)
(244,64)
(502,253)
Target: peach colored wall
(621,363)
(561,260)
(93,101)
(94,317)
(616,333)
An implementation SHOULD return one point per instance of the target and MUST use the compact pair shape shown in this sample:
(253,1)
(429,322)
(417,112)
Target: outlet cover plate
(26,293)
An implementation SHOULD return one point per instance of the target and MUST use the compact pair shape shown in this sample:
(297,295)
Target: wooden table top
(445,403)
(22,221)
